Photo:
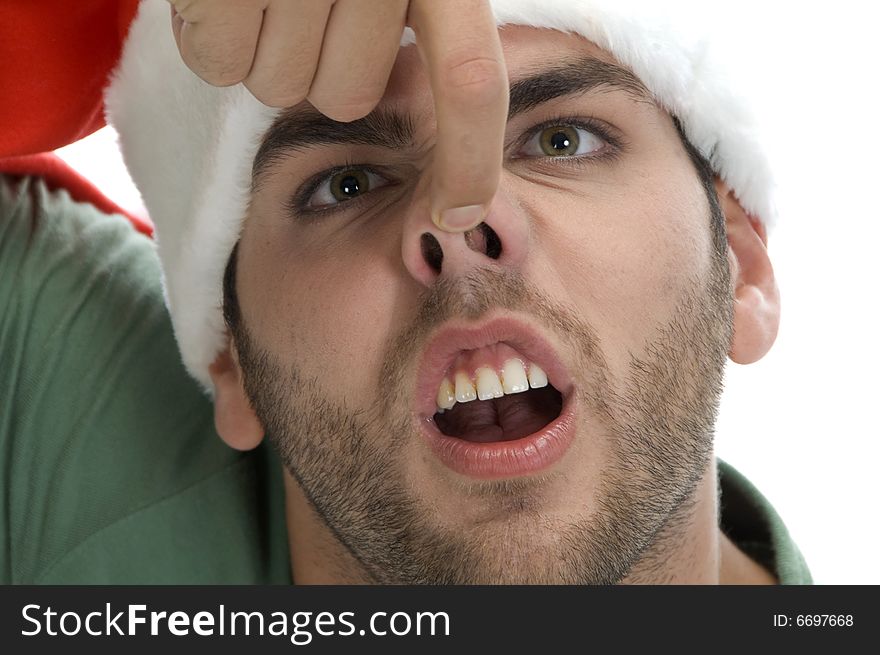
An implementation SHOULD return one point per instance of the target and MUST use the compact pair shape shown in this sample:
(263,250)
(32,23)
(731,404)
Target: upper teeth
(513,379)
(488,384)
(464,390)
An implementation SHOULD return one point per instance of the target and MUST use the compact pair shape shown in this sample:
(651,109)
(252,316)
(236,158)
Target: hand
(338,55)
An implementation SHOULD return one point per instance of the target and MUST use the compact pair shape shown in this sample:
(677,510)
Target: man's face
(599,266)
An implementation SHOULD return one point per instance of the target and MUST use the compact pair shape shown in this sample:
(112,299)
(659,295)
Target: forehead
(527,50)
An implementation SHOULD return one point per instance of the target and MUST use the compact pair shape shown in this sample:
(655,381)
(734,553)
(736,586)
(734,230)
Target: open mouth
(494,400)
(488,405)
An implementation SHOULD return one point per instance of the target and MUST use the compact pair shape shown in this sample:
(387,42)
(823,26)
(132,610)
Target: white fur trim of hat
(189,146)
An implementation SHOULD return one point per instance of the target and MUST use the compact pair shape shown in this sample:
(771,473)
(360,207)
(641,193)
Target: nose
(501,240)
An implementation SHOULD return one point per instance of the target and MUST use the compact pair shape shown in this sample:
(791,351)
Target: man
(528,396)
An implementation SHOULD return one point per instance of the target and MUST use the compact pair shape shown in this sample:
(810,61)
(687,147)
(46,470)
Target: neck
(689,549)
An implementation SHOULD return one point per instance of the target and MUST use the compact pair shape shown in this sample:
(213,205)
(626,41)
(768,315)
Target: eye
(562,141)
(343,186)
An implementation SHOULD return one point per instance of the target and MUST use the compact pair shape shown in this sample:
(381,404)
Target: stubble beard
(658,419)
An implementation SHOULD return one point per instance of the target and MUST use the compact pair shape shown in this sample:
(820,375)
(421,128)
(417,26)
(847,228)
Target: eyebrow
(575,77)
(303,127)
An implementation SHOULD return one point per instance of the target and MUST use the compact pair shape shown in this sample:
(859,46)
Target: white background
(801,424)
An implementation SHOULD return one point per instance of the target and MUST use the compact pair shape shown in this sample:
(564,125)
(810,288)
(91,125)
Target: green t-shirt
(110,467)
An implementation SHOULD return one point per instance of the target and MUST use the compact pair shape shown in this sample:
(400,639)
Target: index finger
(460,47)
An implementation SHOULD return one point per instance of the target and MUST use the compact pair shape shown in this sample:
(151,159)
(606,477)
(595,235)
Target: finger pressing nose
(459,44)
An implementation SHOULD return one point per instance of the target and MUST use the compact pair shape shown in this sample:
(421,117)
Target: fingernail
(460,219)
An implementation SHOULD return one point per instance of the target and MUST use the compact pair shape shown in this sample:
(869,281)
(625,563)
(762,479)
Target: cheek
(327,311)
(623,255)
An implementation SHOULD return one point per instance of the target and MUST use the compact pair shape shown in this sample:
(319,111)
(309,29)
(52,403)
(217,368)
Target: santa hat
(190,147)
(55,97)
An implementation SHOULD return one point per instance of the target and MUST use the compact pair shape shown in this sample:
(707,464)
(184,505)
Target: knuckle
(479,76)
(215,67)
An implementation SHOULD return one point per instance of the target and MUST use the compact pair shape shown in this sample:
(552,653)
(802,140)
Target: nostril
(493,241)
(432,252)
(485,240)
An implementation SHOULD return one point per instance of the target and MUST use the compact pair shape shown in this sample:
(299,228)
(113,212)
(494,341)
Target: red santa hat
(55,58)
(190,146)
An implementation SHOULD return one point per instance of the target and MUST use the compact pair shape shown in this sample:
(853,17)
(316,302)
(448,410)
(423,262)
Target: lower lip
(505,459)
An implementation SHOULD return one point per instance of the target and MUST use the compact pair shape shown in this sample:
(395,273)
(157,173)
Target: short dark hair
(706,175)
(232,310)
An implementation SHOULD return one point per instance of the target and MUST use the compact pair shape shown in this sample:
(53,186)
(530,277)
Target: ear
(236,422)
(756,296)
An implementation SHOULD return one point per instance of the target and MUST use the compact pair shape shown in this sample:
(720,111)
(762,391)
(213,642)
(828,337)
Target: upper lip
(450,340)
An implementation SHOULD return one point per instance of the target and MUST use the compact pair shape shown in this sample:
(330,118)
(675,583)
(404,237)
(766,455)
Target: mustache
(472,296)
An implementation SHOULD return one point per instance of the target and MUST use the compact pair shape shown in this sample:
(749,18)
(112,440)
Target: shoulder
(750,521)
(104,434)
